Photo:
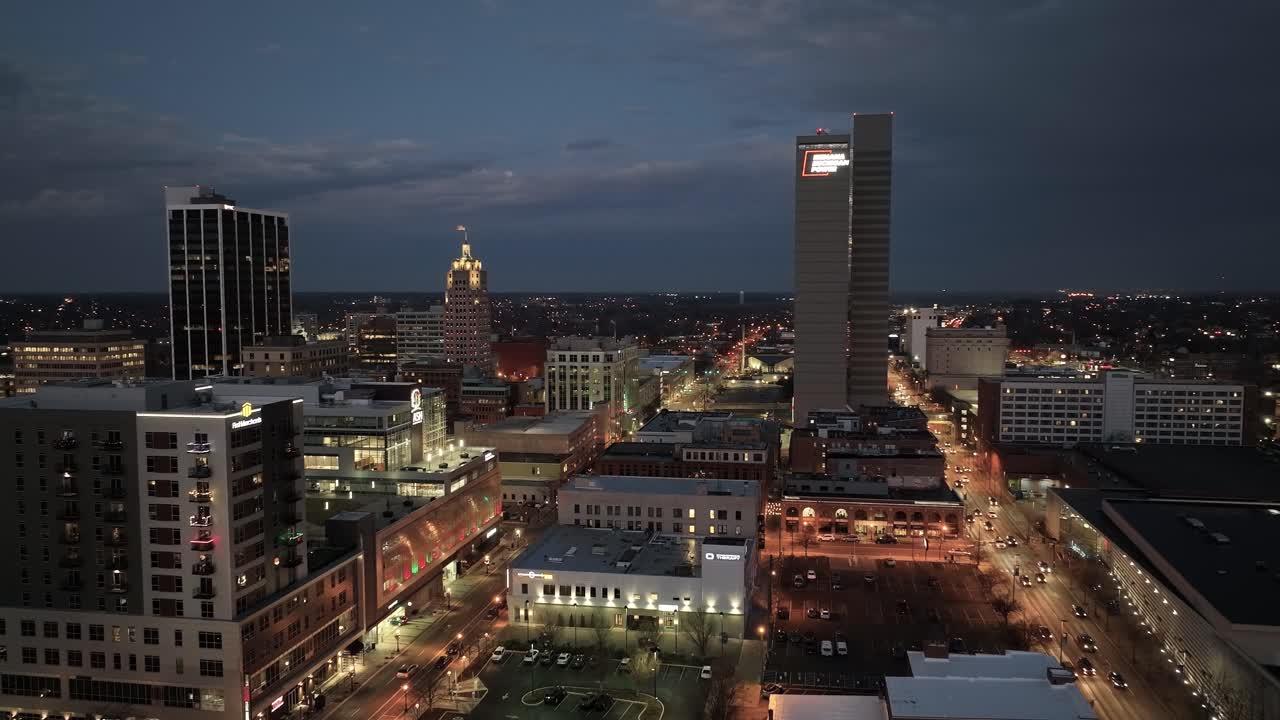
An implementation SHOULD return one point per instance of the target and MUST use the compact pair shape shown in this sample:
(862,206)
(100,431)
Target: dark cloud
(589,144)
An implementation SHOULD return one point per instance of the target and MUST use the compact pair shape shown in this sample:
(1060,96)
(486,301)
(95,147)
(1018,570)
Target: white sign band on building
(240,424)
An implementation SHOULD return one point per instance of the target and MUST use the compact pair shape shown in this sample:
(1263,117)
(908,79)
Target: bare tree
(601,628)
(989,580)
(430,684)
(720,690)
(698,627)
(552,624)
(1006,606)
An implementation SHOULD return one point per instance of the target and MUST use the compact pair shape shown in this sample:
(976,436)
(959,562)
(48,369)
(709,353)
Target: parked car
(811,612)
(624,666)
(797,581)
(842,648)
(827,648)
(835,581)
(780,635)
(406,670)
(796,638)
(579,662)
(706,672)
(869,578)
(826,537)
(554,695)
(499,654)
(548,659)
(850,538)
(563,659)
(810,574)
(530,658)
(783,612)
(825,613)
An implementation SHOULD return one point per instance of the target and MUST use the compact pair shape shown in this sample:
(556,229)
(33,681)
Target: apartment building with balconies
(148,520)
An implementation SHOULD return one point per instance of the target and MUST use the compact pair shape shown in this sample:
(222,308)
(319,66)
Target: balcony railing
(198,448)
(111,445)
(66,442)
(116,540)
(204,593)
(203,542)
(118,562)
(69,513)
(200,471)
(118,588)
(71,560)
(200,520)
(200,496)
(202,568)
(290,561)
(290,538)
(115,516)
(68,489)
(116,492)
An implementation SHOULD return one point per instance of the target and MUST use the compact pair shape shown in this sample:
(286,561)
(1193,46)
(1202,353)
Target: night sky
(645,145)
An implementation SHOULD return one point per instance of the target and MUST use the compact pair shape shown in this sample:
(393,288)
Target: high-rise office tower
(842,266)
(420,334)
(228,280)
(467,320)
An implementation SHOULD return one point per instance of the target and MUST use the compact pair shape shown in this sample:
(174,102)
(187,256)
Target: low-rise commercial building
(670,506)
(867,506)
(483,400)
(53,356)
(539,453)
(294,356)
(635,579)
(1197,576)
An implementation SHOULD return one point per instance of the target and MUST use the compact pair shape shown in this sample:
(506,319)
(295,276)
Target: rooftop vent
(1220,538)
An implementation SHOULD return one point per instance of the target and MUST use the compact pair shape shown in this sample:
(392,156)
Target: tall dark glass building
(842,266)
(228,280)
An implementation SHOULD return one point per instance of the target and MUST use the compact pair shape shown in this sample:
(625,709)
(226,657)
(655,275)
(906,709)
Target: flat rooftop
(662,485)
(1190,471)
(1226,551)
(751,395)
(149,395)
(963,698)
(863,489)
(560,423)
(657,451)
(530,457)
(677,420)
(827,707)
(571,548)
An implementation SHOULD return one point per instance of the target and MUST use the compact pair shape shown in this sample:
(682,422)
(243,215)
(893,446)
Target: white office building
(1119,406)
(917,322)
(420,334)
(582,373)
(646,582)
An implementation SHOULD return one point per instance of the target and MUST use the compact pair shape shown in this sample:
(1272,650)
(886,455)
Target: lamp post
(527,640)
(405,688)
(575,625)
(626,626)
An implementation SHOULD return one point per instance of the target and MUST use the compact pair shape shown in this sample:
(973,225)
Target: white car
(826,649)
(826,537)
(842,648)
(706,672)
(811,575)
(498,654)
(531,657)
(563,660)
(825,614)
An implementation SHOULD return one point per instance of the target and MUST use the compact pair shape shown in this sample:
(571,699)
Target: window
(524,588)
(98,661)
(151,636)
(151,663)
(210,640)
(96,633)
(75,658)
(29,655)
(28,628)
(211,668)
(73,631)
(162,464)
(51,630)
(51,657)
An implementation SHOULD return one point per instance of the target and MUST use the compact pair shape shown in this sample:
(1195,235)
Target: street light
(405,688)
(626,626)
(575,625)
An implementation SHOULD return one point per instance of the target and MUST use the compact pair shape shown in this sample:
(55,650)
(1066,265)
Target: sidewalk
(355,671)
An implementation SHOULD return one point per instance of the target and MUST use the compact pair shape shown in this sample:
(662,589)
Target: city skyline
(679,150)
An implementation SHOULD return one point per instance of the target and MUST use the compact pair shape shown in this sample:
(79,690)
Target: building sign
(241,424)
(823,162)
(415,404)
(721,556)
(534,575)
(277,703)
(246,410)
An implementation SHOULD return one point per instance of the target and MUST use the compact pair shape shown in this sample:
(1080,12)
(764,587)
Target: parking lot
(874,608)
(516,689)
